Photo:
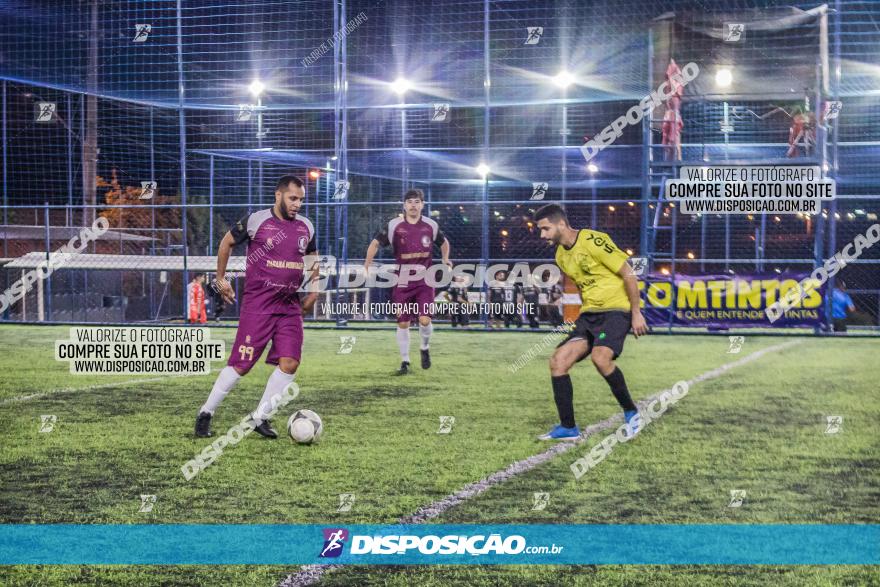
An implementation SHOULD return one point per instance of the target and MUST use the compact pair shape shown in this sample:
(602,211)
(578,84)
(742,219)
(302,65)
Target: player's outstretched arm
(371,254)
(223,252)
(631,285)
(444,251)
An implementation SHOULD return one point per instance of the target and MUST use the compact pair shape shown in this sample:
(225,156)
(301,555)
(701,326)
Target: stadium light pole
(723,79)
(256,89)
(340,141)
(5,187)
(593,169)
(67,218)
(564,79)
(210,205)
(181,118)
(835,95)
(487,137)
(401,86)
(153,204)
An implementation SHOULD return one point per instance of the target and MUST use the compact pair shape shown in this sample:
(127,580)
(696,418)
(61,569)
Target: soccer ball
(305,427)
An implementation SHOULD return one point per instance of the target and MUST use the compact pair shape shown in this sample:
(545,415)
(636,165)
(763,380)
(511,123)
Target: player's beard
(283,211)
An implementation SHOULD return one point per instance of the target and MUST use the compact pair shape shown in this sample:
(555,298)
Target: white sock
(278,380)
(425,333)
(403,343)
(225,382)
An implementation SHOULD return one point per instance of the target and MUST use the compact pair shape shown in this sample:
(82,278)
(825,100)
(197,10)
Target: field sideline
(759,428)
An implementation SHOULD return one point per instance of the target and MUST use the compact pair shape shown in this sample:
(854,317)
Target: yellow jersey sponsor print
(592,263)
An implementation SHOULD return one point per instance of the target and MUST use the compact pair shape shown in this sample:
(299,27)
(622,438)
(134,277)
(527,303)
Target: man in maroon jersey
(412,238)
(277,239)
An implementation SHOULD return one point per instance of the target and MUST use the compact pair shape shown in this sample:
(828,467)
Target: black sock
(618,388)
(562,395)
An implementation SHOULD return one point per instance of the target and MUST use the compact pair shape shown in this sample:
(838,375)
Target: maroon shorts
(256,330)
(417,298)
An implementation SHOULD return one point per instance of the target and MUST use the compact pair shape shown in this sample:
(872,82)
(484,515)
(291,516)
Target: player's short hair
(414,193)
(552,212)
(286,180)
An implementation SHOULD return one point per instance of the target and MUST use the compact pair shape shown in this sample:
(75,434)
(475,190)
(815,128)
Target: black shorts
(496,309)
(607,329)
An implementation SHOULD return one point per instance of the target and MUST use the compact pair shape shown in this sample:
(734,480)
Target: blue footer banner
(783,544)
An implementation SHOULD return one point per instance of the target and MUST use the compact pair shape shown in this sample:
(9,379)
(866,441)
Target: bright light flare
(256,88)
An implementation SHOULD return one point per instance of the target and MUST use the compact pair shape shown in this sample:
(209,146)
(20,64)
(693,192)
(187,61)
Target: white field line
(24,398)
(311,574)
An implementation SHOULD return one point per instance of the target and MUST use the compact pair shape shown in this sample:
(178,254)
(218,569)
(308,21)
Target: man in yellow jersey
(610,307)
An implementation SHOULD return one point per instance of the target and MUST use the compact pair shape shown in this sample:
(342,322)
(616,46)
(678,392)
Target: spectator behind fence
(841,304)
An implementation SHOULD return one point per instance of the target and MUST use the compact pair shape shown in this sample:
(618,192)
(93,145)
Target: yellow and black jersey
(592,262)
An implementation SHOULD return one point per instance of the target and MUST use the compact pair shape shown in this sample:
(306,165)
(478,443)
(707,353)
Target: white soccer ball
(305,427)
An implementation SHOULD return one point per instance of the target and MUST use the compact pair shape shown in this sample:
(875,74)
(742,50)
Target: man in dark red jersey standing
(412,238)
(278,239)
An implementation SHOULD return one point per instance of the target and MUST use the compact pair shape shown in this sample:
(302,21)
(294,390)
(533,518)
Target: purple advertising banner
(718,300)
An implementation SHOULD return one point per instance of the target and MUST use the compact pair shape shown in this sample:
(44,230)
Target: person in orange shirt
(195,296)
